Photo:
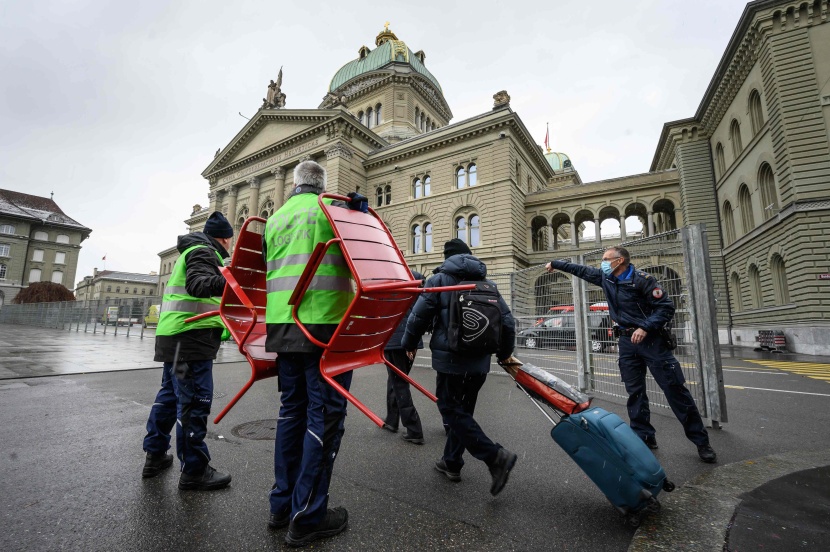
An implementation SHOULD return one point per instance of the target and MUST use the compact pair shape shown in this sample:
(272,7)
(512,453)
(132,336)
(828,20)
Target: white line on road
(776,390)
(757,372)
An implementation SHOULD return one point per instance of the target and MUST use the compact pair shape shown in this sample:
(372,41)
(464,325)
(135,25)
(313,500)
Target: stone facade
(109,284)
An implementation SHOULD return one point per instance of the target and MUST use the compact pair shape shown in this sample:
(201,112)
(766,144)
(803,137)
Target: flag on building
(104,258)
(547,137)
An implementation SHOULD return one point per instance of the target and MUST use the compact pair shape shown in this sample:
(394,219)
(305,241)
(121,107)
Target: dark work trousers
(187,397)
(457,395)
(399,404)
(665,369)
(309,430)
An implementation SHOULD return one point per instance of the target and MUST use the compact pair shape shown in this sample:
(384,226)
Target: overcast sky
(117,107)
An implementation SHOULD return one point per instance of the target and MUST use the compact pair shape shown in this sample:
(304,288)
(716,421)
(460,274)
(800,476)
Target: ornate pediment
(269,134)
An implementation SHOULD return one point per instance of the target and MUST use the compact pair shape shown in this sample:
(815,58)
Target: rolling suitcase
(601,443)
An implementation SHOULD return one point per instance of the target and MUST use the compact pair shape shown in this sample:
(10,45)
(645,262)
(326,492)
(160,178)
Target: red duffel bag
(546,387)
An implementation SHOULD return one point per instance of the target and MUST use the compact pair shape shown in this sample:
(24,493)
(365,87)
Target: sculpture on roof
(274,98)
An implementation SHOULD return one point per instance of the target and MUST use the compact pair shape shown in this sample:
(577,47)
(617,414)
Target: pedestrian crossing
(812,370)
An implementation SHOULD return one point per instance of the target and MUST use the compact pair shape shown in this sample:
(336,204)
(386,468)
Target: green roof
(556,160)
(391,51)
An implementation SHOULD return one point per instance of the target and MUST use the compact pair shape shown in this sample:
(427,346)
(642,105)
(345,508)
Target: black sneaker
(155,464)
(388,427)
(651,442)
(707,453)
(209,480)
(278,521)
(337,519)
(441,466)
(500,469)
(412,438)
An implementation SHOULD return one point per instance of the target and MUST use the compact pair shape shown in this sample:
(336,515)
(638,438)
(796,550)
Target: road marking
(776,390)
(767,372)
(812,370)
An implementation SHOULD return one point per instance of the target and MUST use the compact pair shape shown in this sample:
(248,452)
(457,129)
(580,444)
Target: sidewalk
(71,461)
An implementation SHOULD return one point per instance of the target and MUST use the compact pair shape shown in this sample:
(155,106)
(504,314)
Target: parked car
(558,331)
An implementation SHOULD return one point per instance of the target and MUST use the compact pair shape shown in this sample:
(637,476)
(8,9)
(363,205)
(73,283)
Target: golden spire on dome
(385,35)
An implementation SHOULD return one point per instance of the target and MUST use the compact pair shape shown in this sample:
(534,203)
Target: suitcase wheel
(668,486)
(633,519)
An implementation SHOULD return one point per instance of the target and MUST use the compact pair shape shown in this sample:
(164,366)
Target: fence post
(580,302)
(705,323)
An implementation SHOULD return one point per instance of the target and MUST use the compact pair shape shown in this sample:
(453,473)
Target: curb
(697,515)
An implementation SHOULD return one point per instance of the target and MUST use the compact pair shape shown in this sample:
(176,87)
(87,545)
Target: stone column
(650,223)
(622,228)
(555,238)
(213,197)
(574,238)
(279,187)
(339,174)
(598,232)
(530,238)
(232,191)
(550,237)
(253,199)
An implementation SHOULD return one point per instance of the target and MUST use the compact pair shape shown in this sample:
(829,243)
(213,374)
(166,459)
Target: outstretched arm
(587,273)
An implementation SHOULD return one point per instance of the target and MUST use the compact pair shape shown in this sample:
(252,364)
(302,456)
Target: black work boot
(651,442)
(453,476)
(278,521)
(707,453)
(336,520)
(413,438)
(156,463)
(208,480)
(500,469)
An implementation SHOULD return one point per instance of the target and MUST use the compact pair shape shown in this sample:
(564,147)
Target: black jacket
(202,279)
(635,302)
(435,308)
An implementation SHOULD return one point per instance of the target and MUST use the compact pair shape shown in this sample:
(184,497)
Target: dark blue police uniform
(636,300)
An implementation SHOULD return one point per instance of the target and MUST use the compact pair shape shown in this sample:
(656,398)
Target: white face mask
(606,267)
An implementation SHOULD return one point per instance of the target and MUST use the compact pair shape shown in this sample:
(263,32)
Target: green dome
(387,53)
(557,160)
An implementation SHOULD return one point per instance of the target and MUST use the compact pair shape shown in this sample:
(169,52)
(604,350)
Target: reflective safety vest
(290,236)
(177,305)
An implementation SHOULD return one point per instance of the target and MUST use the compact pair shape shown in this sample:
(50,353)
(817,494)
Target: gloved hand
(358,202)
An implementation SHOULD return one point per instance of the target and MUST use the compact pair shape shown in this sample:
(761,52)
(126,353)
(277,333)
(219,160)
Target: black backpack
(475,319)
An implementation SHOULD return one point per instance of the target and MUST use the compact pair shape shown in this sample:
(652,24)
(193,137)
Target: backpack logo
(475,324)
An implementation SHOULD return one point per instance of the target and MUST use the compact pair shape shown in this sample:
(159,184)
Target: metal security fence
(135,317)
(563,323)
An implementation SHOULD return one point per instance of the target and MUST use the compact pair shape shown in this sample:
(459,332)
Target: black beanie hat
(217,226)
(455,247)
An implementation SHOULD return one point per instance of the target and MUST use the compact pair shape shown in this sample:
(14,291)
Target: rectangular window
(34,275)
(5,249)
(2,272)
(57,277)
(37,255)
(60,257)
(6,229)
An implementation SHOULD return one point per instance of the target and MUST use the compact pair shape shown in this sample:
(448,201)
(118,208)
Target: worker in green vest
(187,350)
(310,425)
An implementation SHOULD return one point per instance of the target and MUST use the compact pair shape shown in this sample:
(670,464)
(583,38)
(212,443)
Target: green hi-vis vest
(290,236)
(177,305)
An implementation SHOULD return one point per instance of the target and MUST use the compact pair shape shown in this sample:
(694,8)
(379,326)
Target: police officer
(187,350)
(310,425)
(641,309)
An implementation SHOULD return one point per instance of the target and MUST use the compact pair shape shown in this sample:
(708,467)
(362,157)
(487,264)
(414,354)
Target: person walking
(641,309)
(311,418)
(460,376)
(399,405)
(187,350)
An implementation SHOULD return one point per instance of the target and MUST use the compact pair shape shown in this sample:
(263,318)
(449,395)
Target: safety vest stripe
(188,306)
(175,290)
(303,258)
(319,282)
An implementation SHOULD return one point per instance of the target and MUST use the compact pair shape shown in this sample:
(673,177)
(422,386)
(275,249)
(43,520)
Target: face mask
(606,268)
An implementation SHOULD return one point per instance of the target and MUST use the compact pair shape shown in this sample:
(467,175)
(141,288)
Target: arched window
(267,209)
(423,118)
(755,287)
(468,230)
(369,118)
(417,116)
(427,185)
(62,238)
(475,231)
(428,124)
(735,292)
(779,280)
(745,203)
(143,291)
(362,118)
(34,275)
(472,174)
(735,136)
(6,229)
(461,229)
(460,177)
(2,272)
(756,114)
(416,239)
(388,191)
(41,236)
(427,237)
(417,189)
(769,195)
(5,249)
(378,117)
(728,222)
(379,193)
(720,162)
(118,289)
(433,125)
(109,288)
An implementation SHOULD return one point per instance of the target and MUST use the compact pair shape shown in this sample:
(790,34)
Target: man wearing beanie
(311,418)
(460,377)
(187,350)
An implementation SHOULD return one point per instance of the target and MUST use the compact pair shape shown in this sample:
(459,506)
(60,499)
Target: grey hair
(309,173)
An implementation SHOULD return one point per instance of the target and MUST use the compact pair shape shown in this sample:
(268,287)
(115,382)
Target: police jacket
(635,299)
(435,308)
(202,280)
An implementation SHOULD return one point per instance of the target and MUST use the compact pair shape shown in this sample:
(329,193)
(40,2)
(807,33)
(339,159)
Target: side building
(38,241)
(110,284)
